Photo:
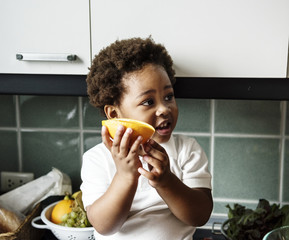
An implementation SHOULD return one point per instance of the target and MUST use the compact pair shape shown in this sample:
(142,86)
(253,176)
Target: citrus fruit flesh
(60,209)
(139,128)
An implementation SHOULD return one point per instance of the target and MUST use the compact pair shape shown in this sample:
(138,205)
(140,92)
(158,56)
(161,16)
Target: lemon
(139,128)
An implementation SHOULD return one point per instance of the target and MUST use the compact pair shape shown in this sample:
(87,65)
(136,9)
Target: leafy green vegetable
(245,223)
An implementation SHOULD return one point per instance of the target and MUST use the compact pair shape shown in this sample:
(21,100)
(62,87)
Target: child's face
(149,97)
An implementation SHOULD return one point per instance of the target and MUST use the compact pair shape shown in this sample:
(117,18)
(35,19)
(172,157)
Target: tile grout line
(200,134)
(282,149)
(18,130)
(230,135)
(236,200)
(245,135)
(212,146)
(80,115)
(242,201)
(31,129)
(9,128)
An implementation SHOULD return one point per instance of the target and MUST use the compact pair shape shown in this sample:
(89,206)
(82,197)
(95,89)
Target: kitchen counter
(207,234)
(211,230)
(48,236)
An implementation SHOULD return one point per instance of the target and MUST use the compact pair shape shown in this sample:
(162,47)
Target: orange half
(139,128)
(61,208)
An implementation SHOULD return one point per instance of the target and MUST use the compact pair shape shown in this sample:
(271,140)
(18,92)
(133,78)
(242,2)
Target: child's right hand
(126,158)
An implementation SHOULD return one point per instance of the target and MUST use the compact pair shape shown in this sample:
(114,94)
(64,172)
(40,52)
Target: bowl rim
(51,225)
(223,226)
(275,230)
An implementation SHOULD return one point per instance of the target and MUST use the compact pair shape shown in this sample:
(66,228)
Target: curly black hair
(104,81)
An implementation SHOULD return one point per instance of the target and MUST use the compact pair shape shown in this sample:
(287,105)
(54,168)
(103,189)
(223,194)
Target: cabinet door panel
(206,38)
(45,28)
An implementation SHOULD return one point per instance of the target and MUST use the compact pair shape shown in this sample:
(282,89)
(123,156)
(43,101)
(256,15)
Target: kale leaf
(245,223)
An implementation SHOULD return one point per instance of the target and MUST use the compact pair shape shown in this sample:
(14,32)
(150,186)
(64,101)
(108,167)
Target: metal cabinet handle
(48,57)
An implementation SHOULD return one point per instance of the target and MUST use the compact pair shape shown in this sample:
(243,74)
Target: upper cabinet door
(45,36)
(206,38)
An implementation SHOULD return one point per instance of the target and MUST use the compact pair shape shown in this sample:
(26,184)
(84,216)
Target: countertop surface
(207,234)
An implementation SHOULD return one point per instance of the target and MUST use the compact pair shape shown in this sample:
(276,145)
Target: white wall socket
(12,180)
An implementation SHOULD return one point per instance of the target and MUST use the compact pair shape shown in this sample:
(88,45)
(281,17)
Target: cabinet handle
(49,57)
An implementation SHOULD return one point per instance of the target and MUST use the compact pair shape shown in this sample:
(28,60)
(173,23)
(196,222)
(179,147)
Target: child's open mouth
(164,128)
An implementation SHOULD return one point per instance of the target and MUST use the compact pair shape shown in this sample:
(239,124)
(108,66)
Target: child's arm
(192,206)
(109,212)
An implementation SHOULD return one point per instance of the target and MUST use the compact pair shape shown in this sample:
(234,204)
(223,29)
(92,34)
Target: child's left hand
(158,162)
(192,206)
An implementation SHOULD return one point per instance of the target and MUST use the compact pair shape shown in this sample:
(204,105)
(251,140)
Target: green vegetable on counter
(245,223)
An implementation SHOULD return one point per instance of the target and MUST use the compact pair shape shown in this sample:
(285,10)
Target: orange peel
(139,128)
(61,208)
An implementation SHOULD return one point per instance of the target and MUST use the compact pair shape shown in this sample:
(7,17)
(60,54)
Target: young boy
(159,190)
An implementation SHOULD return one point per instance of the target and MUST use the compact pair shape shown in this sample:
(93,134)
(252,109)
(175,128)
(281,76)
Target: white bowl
(61,232)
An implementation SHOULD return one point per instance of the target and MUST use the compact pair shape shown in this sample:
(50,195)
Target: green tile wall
(8,151)
(7,111)
(253,117)
(247,142)
(251,168)
(43,149)
(198,113)
(49,112)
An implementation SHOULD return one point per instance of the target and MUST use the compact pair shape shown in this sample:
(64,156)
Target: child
(159,190)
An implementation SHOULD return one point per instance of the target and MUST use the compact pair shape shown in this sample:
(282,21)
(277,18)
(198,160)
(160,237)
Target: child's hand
(126,158)
(159,164)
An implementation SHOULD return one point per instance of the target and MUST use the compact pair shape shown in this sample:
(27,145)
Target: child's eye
(148,102)
(169,97)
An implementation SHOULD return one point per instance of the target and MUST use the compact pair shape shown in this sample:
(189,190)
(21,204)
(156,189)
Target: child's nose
(162,109)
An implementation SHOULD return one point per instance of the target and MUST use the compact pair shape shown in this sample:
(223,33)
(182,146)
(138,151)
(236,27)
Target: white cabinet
(45,33)
(206,38)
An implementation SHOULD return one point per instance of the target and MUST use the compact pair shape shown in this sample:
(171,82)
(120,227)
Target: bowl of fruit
(66,219)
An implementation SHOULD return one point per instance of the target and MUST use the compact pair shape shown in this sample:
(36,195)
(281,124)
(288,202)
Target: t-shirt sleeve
(194,164)
(94,175)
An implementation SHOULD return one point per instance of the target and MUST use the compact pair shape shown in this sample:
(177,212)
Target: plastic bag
(22,199)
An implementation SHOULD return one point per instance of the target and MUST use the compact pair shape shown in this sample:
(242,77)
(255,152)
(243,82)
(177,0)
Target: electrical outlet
(12,180)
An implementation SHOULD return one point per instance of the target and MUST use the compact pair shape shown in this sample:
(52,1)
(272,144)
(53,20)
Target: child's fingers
(157,165)
(124,144)
(106,138)
(117,138)
(136,146)
(157,151)
(155,145)
(141,151)
(146,174)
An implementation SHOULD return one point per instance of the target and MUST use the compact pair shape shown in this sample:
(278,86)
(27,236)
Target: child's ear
(110,111)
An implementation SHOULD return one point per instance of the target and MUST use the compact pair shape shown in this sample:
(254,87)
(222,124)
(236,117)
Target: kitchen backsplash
(246,141)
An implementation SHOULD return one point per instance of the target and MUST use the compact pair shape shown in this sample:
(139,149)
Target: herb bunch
(245,223)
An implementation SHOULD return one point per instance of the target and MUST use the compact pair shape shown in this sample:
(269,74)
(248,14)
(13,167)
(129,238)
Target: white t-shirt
(150,217)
